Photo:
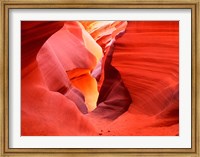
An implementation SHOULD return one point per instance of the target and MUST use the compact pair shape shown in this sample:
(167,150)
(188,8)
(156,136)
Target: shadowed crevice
(114,98)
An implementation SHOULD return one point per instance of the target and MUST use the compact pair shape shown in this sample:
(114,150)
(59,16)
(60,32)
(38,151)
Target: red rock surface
(149,67)
(51,105)
(62,66)
(147,57)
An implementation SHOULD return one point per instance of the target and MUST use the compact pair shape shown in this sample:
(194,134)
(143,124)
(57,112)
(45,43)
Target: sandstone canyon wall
(91,78)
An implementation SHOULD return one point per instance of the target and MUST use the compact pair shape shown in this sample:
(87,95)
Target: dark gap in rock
(114,98)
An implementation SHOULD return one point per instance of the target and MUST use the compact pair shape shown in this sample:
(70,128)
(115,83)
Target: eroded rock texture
(100,78)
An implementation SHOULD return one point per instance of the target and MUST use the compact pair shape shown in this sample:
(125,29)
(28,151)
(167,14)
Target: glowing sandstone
(44,111)
(67,50)
(137,78)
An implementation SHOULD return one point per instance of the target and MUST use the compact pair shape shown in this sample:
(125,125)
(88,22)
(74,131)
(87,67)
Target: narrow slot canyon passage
(100,78)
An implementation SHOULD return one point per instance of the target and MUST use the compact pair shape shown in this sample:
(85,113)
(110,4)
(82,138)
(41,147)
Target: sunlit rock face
(114,98)
(51,105)
(150,64)
(72,54)
(100,78)
(147,57)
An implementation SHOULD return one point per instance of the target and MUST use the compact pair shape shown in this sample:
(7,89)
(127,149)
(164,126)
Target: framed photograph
(105,78)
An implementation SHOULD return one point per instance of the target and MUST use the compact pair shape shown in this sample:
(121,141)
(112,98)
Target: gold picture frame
(143,4)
